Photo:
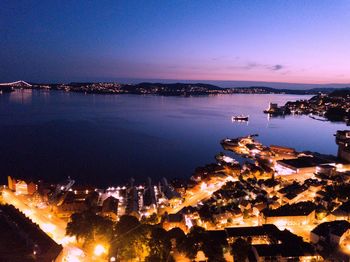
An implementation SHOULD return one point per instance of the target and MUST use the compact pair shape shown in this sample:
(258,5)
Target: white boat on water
(240,118)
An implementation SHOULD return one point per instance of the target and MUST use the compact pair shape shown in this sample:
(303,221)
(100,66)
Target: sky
(273,41)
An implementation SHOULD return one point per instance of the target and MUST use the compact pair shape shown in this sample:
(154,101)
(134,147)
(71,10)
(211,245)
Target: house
(175,220)
(70,202)
(233,216)
(110,208)
(244,205)
(291,193)
(271,185)
(342,212)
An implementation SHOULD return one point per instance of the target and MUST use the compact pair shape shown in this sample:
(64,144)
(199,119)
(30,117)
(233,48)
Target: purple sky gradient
(274,41)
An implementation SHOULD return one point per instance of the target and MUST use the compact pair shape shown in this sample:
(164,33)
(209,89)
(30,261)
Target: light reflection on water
(106,139)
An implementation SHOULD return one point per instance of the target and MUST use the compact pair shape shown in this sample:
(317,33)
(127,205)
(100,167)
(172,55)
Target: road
(201,192)
(51,225)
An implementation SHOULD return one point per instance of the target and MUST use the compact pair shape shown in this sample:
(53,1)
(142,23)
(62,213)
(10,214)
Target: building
(268,243)
(281,150)
(342,212)
(175,220)
(328,170)
(22,187)
(330,233)
(284,253)
(300,165)
(342,138)
(272,109)
(22,241)
(110,208)
(70,203)
(302,213)
(264,234)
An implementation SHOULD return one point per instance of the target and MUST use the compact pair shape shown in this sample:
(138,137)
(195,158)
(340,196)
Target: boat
(240,118)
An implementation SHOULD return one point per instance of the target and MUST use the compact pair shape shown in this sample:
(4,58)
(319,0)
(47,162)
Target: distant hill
(175,86)
(174,89)
(344,92)
(269,90)
(226,83)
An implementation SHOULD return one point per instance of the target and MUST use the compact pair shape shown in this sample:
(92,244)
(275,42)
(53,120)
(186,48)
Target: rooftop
(303,162)
(335,227)
(298,209)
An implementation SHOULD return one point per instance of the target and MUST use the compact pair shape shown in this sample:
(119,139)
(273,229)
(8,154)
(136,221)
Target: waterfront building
(342,138)
(300,165)
(272,109)
(282,150)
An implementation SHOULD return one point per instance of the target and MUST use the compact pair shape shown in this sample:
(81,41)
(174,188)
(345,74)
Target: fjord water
(107,139)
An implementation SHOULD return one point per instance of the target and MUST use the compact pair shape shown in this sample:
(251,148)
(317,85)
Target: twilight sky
(276,41)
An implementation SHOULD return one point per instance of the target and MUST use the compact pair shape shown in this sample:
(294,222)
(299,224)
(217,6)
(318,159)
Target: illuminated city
(162,131)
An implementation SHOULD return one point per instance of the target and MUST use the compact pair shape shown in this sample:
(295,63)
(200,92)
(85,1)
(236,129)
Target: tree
(177,234)
(199,240)
(88,228)
(152,219)
(193,242)
(160,245)
(240,249)
(131,239)
(213,250)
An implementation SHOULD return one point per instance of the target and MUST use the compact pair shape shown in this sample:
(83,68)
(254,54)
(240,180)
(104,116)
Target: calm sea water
(106,139)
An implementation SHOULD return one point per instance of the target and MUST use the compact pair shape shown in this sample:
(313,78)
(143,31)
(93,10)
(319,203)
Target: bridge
(19,83)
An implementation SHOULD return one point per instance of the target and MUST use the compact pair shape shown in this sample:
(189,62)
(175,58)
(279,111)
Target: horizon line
(159,80)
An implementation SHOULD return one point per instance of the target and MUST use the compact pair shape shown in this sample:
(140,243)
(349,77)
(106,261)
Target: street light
(99,250)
